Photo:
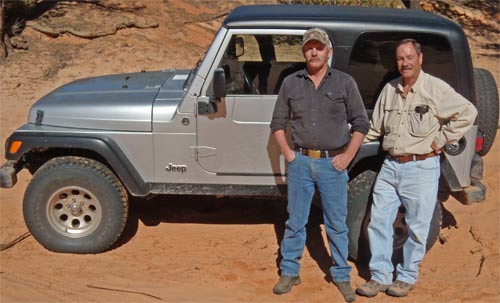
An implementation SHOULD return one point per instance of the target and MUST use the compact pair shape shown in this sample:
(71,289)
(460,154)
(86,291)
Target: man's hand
(289,156)
(341,161)
(436,149)
(283,144)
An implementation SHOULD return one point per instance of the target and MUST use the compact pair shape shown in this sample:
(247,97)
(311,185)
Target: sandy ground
(204,249)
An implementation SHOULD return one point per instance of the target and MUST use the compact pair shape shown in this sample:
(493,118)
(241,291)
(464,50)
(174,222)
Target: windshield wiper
(193,72)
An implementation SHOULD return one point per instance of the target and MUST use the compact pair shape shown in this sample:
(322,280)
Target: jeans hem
(380,281)
(289,275)
(411,282)
(335,281)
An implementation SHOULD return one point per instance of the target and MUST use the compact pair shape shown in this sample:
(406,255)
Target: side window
(257,64)
(373,61)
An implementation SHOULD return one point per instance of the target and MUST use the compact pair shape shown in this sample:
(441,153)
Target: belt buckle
(314,153)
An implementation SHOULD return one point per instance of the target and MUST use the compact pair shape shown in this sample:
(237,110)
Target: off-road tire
(75,205)
(487,107)
(358,217)
(401,234)
(358,199)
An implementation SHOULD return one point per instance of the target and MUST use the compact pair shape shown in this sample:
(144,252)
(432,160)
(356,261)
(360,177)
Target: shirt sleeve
(377,122)
(458,111)
(356,112)
(281,113)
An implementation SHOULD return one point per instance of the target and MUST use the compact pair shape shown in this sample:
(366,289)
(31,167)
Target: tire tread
(73,162)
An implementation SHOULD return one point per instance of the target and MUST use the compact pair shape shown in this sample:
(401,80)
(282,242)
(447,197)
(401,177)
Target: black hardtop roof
(304,15)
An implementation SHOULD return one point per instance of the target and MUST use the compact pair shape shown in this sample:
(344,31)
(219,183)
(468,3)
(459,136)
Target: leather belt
(408,158)
(317,153)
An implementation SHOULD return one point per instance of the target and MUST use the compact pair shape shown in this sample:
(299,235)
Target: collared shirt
(320,117)
(432,111)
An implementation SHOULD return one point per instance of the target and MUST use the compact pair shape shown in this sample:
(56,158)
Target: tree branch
(88,34)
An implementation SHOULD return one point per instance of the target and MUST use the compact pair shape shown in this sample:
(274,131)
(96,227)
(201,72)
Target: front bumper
(8,174)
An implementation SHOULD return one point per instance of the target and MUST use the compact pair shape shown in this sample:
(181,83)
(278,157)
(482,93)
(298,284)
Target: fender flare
(102,145)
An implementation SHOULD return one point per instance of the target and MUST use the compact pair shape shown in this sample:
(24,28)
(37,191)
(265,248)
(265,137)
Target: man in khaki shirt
(417,114)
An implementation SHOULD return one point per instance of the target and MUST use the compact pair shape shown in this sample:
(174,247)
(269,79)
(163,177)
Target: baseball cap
(316,34)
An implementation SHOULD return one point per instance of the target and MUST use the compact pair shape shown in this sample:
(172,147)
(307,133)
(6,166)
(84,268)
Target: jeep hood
(121,102)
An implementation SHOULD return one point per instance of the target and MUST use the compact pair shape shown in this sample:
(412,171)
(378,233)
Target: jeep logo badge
(179,168)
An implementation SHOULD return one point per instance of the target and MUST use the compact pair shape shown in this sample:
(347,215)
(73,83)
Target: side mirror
(219,83)
(219,87)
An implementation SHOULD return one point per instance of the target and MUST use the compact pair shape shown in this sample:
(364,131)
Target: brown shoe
(346,291)
(285,284)
(399,289)
(371,288)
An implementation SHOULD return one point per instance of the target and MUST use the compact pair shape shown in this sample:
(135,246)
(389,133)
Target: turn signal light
(479,142)
(15,146)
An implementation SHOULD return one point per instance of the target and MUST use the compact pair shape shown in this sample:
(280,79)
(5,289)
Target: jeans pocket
(294,159)
(333,166)
(428,164)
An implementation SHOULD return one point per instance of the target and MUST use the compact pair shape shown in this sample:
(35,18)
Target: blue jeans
(303,174)
(414,185)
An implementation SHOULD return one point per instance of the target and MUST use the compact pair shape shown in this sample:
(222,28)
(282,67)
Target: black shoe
(346,291)
(285,284)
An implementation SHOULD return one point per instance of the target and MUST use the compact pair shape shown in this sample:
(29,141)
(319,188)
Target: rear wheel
(487,107)
(358,217)
(75,205)
(358,198)
(401,231)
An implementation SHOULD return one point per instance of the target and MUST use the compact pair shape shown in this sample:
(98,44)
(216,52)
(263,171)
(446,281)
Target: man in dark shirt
(320,102)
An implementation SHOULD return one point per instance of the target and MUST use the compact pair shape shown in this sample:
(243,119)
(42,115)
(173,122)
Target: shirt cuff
(275,127)
(440,140)
(360,129)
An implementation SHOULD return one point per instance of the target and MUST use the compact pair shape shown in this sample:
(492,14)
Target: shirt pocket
(298,106)
(421,119)
(334,104)
(392,115)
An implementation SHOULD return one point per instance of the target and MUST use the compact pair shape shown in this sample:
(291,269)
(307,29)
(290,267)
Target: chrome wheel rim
(74,211)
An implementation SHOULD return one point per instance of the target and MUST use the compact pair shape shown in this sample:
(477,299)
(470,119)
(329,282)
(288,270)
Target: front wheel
(75,205)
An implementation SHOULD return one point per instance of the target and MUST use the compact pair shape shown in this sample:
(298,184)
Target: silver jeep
(92,143)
